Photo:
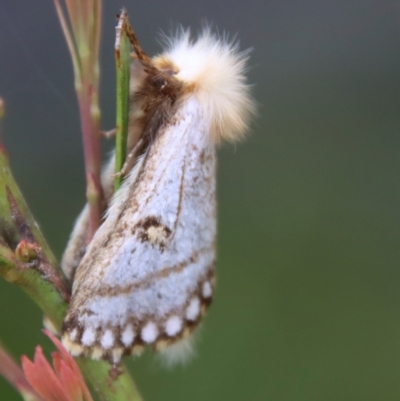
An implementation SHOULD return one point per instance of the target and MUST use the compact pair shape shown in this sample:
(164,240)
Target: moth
(147,276)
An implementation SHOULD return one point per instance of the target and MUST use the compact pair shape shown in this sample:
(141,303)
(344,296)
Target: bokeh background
(308,299)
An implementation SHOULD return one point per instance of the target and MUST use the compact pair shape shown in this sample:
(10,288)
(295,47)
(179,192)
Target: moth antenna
(141,55)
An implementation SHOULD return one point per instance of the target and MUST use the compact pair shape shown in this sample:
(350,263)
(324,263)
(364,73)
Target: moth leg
(129,161)
(108,134)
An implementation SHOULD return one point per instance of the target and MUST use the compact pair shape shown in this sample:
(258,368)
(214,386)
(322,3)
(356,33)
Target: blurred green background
(308,300)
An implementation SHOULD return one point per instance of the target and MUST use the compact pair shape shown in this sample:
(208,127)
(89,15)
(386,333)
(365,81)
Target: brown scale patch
(178,214)
(146,223)
(203,157)
(163,63)
(152,231)
(70,324)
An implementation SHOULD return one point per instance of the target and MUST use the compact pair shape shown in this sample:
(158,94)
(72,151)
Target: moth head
(212,69)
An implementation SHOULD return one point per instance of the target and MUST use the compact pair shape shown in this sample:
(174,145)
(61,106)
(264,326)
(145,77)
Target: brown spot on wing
(152,231)
(146,223)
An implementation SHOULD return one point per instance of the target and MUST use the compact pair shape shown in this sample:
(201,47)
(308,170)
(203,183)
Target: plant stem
(122,62)
(40,277)
(83,40)
(119,385)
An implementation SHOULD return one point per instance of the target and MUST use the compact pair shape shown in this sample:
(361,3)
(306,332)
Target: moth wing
(147,276)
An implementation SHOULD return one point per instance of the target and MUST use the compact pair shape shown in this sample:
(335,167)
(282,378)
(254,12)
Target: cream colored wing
(147,276)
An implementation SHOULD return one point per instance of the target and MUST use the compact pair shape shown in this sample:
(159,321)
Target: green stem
(51,294)
(118,386)
(122,61)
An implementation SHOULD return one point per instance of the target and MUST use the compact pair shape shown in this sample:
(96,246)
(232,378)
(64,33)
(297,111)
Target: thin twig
(122,62)
(83,39)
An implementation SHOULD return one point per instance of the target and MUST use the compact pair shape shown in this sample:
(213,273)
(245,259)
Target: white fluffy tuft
(213,69)
(179,353)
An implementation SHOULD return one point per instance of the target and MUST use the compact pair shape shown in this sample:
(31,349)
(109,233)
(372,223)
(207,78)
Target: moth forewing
(147,276)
